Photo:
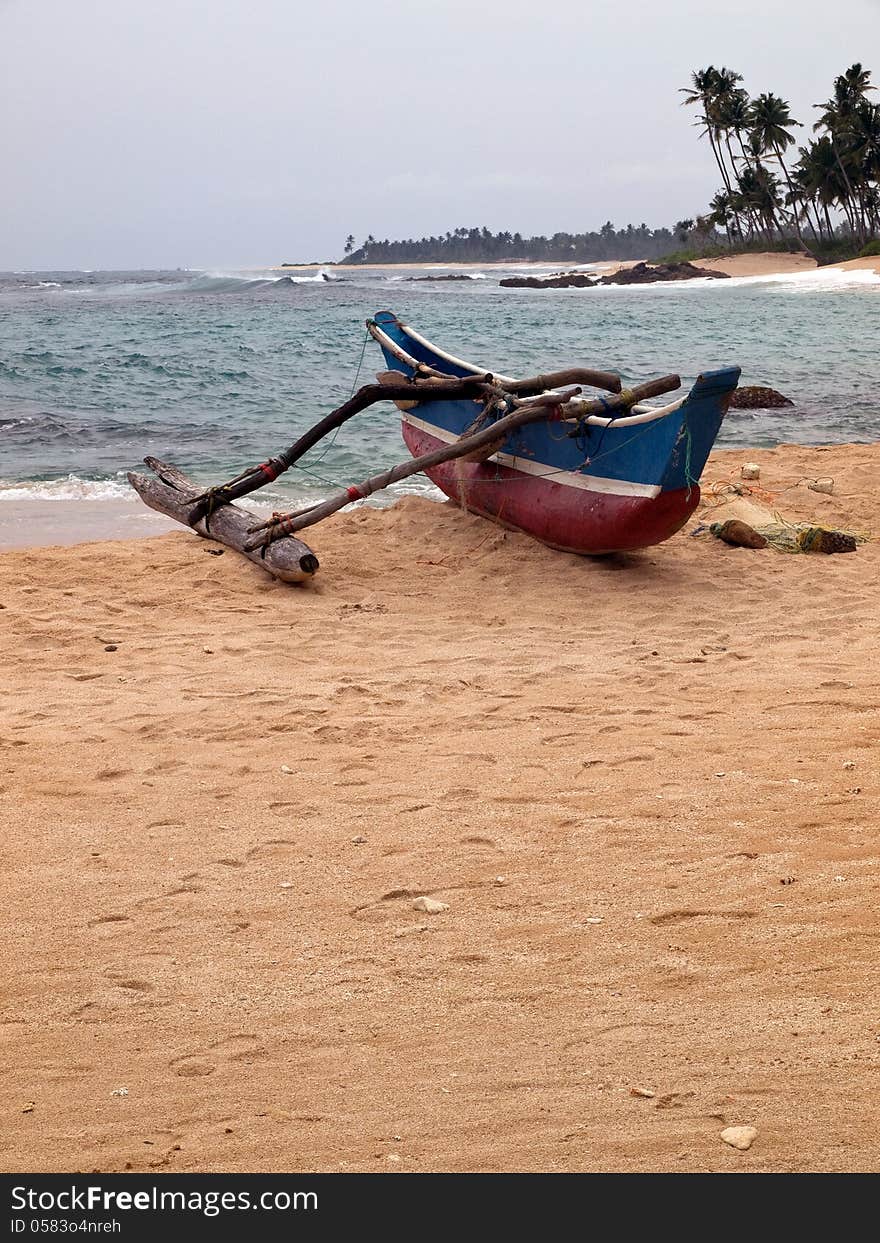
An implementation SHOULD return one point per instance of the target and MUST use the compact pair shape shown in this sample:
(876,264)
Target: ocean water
(216,371)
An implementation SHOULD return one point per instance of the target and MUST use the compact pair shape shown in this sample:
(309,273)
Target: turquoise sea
(216,371)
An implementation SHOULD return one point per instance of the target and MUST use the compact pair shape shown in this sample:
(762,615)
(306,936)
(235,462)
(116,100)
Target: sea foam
(70,488)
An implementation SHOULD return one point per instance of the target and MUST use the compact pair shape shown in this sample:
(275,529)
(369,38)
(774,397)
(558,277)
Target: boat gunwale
(642,413)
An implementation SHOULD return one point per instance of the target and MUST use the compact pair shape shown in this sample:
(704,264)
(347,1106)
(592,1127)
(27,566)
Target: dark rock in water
(453,276)
(647,274)
(639,274)
(561,280)
(757,397)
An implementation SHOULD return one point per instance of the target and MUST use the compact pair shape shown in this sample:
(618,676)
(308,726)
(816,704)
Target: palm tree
(771,120)
(818,175)
(732,117)
(722,212)
(759,195)
(840,120)
(704,91)
(864,145)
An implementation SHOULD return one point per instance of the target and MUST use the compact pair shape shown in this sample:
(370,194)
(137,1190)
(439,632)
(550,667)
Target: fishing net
(730,501)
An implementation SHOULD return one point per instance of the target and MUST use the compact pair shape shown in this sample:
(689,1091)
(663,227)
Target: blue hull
(574,492)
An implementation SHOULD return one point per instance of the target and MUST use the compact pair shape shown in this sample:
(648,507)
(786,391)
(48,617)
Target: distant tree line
(483,246)
(826,200)
(830,193)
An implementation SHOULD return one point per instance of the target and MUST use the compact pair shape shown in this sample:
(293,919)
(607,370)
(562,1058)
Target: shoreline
(759,263)
(45,524)
(648,821)
(27,525)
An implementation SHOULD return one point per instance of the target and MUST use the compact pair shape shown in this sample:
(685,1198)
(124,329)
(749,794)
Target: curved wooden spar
(404,389)
(526,412)
(609,380)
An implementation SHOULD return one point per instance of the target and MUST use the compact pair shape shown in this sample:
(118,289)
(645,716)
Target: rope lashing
(615,407)
(688,448)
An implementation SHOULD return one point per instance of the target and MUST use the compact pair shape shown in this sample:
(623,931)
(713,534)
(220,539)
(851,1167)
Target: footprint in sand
(680,917)
(238,1048)
(108,919)
(191,1066)
(274,848)
(135,986)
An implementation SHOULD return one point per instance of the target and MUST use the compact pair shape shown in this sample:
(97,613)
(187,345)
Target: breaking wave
(70,488)
(817,280)
(182,281)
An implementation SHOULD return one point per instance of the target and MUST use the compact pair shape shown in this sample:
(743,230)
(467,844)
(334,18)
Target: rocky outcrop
(757,397)
(639,274)
(647,274)
(453,276)
(560,280)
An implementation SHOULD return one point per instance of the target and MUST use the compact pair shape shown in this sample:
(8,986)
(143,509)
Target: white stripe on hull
(568,479)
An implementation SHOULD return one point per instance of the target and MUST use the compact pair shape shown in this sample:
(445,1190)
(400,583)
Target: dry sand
(773,264)
(768,263)
(646,786)
(861,265)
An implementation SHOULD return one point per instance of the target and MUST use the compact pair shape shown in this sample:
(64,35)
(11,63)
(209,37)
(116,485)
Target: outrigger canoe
(615,485)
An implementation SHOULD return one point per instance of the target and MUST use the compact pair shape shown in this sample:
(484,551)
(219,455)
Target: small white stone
(741,1137)
(285,768)
(645,1092)
(119,1092)
(840,878)
(849,763)
(500,880)
(750,470)
(360,840)
(430,906)
(392,1156)
(286,884)
(593,919)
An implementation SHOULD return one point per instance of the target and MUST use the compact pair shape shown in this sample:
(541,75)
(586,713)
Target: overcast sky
(228,133)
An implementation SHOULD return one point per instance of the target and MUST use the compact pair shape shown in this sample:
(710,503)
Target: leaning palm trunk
(795,201)
(751,216)
(798,208)
(729,191)
(849,200)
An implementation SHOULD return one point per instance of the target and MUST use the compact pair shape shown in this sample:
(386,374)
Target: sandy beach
(646,786)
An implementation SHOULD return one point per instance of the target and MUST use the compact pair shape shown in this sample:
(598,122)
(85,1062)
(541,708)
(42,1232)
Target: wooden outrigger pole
(173,493)
(550,406)
(271,544)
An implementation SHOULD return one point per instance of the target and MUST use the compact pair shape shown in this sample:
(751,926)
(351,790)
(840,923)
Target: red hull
(565,517)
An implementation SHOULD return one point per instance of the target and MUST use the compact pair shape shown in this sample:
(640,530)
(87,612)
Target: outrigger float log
(495,445)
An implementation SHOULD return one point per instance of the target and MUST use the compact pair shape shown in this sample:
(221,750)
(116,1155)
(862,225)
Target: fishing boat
(588,485)
(581,472)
